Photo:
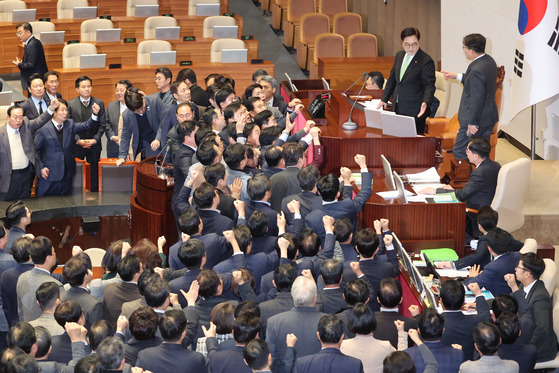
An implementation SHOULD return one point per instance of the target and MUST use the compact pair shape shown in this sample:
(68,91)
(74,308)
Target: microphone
(355,82)
(351,125)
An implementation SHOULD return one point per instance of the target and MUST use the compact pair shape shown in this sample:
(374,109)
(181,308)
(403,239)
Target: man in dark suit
(329,189)
(285,183)
(116,294)
(182,159)
(504,261)
(163,79)
(143,326)
(88,143)
(272,98)
(390,297)
(478,112)
(431,327)
(458,326)
(259,189)
(170,355)
(37,103)
(199,96)
(524,354)
(332,296)
(528,272)
(284,275)
(68,311)
(33,54)
(142,121)
(52,82)
(412,80)
(215,174)
(55,149)
(111,355)
(172,115)
(329,358)
(113,118)
(20,163)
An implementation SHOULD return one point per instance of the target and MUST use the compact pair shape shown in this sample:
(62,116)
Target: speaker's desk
(342,71)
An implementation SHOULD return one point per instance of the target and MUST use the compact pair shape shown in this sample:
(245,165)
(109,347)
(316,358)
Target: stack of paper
(428,176)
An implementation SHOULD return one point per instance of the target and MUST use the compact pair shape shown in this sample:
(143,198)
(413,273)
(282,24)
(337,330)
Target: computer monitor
(234,55)
(163,58)
(6,98)
(107,35)
(24,15)
(400,188)
(85,12)
(93,61)
(226,32)
(168,33)
(388,176)
(398,125)
(206,10)
(147,11)
(52,37)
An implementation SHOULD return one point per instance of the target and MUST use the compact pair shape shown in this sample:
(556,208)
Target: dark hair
(248,306)
(111,353)
(21,335)
(209,115)
(44,341)
(246,327)
(61,102)
(191,253)
(82,79)
(487,218)
(165,71)
(12,108)
(209,282)
(40,248)
(23,364)
(398,362)
(234,155)
(112,256)
(100,330)
(389,292)
(258,73)
(157,291)
(475,42)
(48,74)
(247,277)
(175,87)
(133,99)
(509,327)
(274,154)
(16,211)
(223,316)
(249,104)
(143,323)
(212,89)
(361,320)
(186,74)
(68,311)
(330,329)
(343,228)
(213,173)
(230,110)
(74,271)
(256,354)
(189,221)
(533,263)
(268,136)
(204,195)
(185,128)
(410,31)
(292,152)
(308,177)
(258,223)
(222,94)
(206,152)
(26,26)
(377,77)
(357,291)
(89,364)
(504,303)
(128,267)
(480,146)
(367,242)
(431,325)
(452,295)
(172,324)
(20,249)
(262,118)
(124,82)
(331,271)
(35,77)
(499,240)
(258,185)
(291,249)
(284,275)
(243,237)
(328,187)
(486,337)
(144,278)
(47,294)
(250,89)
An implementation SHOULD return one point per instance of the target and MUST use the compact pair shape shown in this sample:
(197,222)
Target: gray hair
(270,79)
(303,291)
(111,352)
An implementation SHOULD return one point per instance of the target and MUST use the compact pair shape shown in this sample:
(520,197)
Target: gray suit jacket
(489,364)
(284,183)
(112,116)
(91,306)
(27,285)
(47,320)
(26,132)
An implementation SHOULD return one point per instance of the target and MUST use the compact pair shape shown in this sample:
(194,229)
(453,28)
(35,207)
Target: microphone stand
(351,125)
(355,82)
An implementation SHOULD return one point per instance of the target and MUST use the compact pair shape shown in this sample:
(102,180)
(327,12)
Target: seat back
(313,24)
(219,44)
(347,24)
(6,7)
(89,27)
(548,276)
(157,21)
(192,5)
(512,185)
(65,8)
(96,255)
(332,7)
(442,93)
(117,179)
(530,246)
(131,6)
(39,27)
(328,45)
(296,9)
(71,54)
(210,22)
(362,45)
(147,46)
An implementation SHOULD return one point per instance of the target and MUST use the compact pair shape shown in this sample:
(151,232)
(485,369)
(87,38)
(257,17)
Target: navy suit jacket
(328,360)
(492,277)
(183,283)
(171,358)
(214,245)
(257,264)
(480,188)
(33,61)
(272,214)
(265,244)
(227,361)
(524,355)
(62,349)
(448,358)
(9,293)
(482,256)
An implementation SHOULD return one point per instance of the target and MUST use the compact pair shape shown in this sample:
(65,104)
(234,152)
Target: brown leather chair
(362,45)
(291,24)
(447,128)
(312,24)
(332,7)
(347,24)
(326,45)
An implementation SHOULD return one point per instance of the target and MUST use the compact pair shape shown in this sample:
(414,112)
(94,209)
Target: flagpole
(533,129)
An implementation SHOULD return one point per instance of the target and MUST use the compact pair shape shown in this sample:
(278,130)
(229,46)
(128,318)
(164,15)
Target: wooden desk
(104,80)
(342,71)
(125,53)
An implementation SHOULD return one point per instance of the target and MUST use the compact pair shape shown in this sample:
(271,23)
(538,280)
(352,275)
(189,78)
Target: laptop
(226,32)
(147,10)
(207,9)
(93,61)
(24,15)
(400,188)
(6,98)
(398,125)
(372,118)
(85,12)
(163,58)
(107,35)
(234,55)
(389,178)
(52,37)
(168,33)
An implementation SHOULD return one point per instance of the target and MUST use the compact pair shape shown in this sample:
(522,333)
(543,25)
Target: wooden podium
(150,206)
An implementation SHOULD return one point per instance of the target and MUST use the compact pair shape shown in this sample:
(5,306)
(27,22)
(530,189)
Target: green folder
(438,255)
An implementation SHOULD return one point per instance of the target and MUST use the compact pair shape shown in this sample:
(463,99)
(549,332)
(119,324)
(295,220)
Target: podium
(150,205)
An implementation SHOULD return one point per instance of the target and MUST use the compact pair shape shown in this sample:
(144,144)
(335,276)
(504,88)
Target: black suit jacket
(272,214)
(228,361)
(33,61)
(96,131)
(416,86)
(133,347)
(280,104)
(524,355)
(29,108)
(477,105)
(62,349)
(480,188)
(482,256)
(386,330)
(332,300)
(282,303)
(198,95)
(171,358)
(328,360)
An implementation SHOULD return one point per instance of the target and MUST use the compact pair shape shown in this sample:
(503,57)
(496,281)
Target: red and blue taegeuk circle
(530,14)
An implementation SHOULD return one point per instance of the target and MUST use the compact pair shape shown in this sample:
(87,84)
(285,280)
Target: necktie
(59,127)
(40,107)
(405,65)
(85,103)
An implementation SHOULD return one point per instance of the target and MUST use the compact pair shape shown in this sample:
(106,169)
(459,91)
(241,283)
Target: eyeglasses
(412,45)
(520,268)
(19,33)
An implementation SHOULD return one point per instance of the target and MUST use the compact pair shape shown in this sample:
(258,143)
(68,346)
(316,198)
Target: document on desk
(392,194)
(417,188)
(453,273)
(429,176)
